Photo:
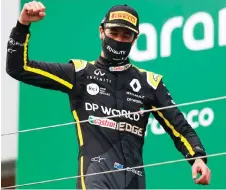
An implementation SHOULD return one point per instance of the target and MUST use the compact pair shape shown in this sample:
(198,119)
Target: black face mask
(114,51)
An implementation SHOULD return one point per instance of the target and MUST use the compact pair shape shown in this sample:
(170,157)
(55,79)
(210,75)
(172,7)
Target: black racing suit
(97,89)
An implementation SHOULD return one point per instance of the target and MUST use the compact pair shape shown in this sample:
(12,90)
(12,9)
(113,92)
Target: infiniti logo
(99,72)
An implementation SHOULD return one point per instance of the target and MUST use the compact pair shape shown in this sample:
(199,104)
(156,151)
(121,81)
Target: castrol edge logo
(123,16)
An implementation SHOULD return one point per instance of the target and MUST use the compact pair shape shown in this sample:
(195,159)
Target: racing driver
(108,86)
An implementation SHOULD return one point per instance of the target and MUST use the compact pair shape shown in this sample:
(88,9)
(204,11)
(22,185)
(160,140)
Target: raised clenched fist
(32,12)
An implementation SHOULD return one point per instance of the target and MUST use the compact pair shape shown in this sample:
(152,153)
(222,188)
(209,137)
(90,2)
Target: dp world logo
(135,84)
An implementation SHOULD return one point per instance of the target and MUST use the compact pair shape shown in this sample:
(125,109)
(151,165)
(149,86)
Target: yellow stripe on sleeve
(42,72)
(176,133)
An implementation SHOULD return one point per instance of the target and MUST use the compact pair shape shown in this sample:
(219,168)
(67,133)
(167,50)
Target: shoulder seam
(153,79)
(79,64)
(140,70)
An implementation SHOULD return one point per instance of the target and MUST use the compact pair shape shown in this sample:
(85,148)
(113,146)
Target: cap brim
(113,25)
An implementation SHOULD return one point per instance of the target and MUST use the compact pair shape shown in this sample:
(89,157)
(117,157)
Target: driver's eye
(127,36)
(114,33)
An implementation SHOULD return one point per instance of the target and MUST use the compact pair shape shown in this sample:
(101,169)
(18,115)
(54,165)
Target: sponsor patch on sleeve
(79,64)
(153,79)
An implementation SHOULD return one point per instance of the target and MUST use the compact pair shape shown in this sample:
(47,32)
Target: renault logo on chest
(135,84)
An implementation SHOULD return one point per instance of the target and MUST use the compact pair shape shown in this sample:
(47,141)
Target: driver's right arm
(53,76)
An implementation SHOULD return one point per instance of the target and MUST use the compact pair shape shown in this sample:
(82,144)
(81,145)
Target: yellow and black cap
(122,16)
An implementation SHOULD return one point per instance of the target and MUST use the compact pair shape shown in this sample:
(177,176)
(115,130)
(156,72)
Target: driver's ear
(101,32)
